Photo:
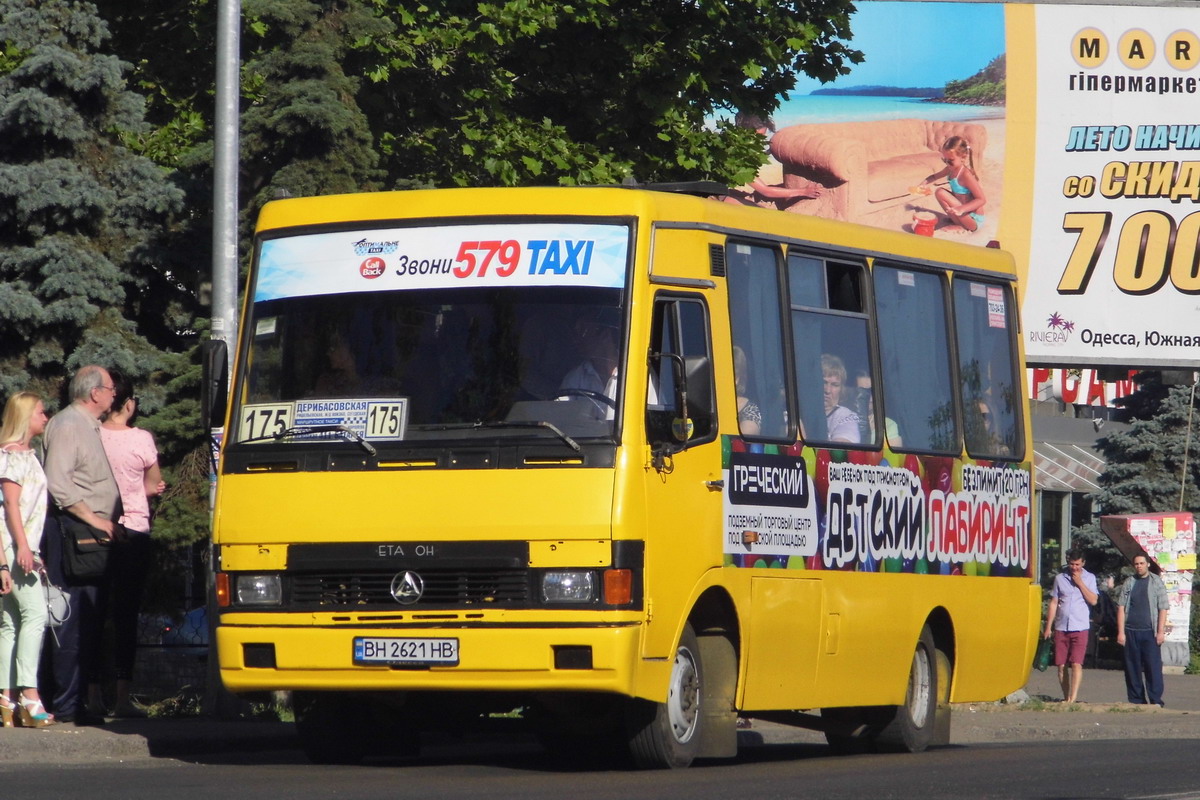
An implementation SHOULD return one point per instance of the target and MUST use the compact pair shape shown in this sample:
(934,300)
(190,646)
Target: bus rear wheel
(667,735)
(912,724)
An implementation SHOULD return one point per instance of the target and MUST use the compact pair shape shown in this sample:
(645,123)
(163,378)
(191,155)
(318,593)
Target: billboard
(1064,132)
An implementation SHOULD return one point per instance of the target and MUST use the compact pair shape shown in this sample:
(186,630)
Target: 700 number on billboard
(1150,249)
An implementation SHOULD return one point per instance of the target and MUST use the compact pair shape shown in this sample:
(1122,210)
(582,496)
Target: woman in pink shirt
(134,458)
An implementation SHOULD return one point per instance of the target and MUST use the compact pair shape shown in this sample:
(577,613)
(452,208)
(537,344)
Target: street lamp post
(225,167)
(224,260)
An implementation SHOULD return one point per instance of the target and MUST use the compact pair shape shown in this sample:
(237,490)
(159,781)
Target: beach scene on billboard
(912,139)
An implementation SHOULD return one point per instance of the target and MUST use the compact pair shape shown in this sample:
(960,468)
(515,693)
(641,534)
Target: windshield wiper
(523,423)
(535,423)
(304,430)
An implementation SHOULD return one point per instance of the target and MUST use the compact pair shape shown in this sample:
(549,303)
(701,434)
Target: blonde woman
(23,606)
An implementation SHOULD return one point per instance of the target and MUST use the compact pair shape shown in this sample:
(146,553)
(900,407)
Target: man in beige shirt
(81,484)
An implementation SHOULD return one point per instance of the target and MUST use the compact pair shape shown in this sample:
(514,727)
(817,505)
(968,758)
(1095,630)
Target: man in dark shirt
(1141,628)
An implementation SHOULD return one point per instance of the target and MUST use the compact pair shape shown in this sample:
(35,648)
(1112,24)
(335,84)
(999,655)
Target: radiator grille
(444,588)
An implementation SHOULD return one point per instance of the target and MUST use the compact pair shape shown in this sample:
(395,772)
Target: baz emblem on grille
(407,587)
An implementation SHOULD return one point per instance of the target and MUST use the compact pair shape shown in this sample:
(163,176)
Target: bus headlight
(568,586)
(258,590)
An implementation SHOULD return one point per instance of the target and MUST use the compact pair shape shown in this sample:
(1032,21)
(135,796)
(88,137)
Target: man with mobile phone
(1069,618)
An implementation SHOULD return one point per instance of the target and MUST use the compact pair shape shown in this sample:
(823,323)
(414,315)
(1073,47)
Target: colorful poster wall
(1072,130)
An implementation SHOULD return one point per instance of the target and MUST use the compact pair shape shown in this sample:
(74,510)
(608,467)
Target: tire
(941,726)
(667,735)
(911,727)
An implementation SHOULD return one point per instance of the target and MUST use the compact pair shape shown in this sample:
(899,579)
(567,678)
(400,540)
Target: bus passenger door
(683,492)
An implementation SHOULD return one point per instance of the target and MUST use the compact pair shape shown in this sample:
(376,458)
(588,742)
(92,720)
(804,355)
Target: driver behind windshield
(597,339)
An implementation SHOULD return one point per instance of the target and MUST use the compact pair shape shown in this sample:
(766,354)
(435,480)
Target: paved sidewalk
(1107,686)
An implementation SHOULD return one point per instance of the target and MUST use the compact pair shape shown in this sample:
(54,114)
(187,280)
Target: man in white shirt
(595,378)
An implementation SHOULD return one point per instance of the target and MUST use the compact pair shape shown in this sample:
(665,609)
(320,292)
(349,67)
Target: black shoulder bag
(85,551)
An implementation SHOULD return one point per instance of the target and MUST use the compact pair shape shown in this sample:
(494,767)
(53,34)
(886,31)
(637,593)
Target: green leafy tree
(170,45)
(543,92)
(351,95)
(463,92)
(348,95)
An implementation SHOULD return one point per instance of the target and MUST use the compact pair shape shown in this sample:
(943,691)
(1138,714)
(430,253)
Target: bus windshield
(409,348)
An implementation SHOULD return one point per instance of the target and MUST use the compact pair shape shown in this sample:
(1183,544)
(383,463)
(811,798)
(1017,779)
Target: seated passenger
(748,412)
(840,422)
(340,378)
(595,377)
(866,413)
(544,354)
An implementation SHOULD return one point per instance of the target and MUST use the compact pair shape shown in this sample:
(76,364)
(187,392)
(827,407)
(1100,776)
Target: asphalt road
(1140,769)
(1101,748)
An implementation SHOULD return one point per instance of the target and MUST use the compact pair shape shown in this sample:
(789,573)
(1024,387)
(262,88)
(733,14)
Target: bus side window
(983,316)
(831,345)
(914,352)
(756,327)
(680,347)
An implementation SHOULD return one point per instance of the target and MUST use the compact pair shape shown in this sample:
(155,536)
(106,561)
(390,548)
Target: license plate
(405,651)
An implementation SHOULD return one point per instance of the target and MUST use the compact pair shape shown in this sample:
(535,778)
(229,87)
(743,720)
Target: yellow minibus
(632,460)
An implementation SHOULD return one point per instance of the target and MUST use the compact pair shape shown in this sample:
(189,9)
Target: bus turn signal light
(618,587)
(222,589)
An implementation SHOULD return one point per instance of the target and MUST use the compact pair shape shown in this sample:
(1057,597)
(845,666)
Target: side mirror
(214,387)
(668,425)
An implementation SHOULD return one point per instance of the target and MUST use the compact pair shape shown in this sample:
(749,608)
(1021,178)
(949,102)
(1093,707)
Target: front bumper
(491,658)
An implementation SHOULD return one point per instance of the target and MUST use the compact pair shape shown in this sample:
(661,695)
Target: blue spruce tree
(84,278)
(1152,466)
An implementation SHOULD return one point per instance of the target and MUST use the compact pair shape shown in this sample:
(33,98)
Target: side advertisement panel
(805,508)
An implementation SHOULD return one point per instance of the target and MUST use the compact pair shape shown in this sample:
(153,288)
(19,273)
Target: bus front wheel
(667,735)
